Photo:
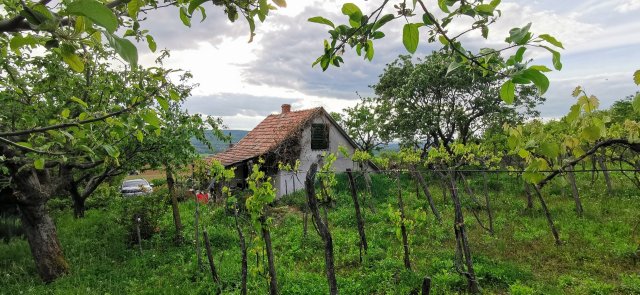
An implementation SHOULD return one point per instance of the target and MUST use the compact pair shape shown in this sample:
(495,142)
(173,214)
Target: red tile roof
(267,136)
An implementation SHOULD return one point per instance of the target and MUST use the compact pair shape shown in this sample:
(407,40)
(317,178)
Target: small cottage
(285,138)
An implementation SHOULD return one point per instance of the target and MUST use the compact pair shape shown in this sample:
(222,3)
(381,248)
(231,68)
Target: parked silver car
(135,187)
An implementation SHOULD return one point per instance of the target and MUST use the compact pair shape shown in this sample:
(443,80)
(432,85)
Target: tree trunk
(425,188)
(359,219)
(547,214)
(605,172)
(174,205)
(323,229)
(43,241)
(461,238)
(266,236)
(403,227)
(574,190)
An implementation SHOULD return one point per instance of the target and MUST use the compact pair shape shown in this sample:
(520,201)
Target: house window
(319,136)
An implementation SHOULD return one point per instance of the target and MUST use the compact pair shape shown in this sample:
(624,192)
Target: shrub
(145,211)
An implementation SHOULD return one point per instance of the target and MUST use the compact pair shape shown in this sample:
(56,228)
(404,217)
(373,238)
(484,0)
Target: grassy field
(597,256)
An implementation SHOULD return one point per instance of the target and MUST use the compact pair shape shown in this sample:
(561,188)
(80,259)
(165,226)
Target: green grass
(597,256)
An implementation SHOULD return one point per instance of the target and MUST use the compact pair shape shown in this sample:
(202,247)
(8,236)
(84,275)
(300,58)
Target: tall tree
(425,103)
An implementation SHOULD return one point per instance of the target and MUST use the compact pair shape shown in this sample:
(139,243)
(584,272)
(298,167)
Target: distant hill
(217,144)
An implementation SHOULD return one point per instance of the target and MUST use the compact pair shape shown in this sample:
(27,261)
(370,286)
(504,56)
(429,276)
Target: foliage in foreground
(519,259)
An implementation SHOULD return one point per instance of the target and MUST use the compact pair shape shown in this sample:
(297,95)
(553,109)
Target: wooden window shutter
(319,136)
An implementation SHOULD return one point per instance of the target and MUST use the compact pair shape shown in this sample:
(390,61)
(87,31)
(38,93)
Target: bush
(145,211)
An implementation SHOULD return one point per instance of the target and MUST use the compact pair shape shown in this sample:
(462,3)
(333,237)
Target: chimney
(286,108)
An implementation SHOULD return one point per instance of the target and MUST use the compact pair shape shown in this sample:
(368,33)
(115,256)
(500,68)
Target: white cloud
(253,79)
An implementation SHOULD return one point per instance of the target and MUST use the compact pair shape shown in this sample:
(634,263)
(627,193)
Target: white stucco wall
(287,182)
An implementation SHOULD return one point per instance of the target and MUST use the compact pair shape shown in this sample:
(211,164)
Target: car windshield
(134,183)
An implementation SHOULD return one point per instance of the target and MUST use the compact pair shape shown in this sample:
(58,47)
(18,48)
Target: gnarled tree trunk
(32,189)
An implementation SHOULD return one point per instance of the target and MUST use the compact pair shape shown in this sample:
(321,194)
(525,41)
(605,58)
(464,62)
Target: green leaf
(151,117)
(370,51)
(139,135)
(133,7)
(428,18)
(73,60)
(350,9)
(410,37)
(589,104)
(576,91)
(520,54)
(485,9)
(79,101)
(321,20)
(280,3)
(636,77)
(540,68)
(443,6)
(591,133)
(382,21)
(164,104)
(555,58)
(124,48)
(551,40)
(65,113)
(39,163)
(111,150)
(573,113)
(508,91)
(636,103)
(453,66)
(377,35)
(549,149)
(518,35)
(184,17)
(195,4)
(354,13)
(539,79)
(95,11)
(152,43)
(19,41)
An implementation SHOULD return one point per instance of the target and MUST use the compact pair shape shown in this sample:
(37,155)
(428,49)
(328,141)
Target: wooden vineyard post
(323,229)
(403,227)
(212,266)
(462,241)
(197,231)
(359,219)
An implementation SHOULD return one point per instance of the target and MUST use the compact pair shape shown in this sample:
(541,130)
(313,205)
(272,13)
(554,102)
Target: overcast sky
(243,82)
